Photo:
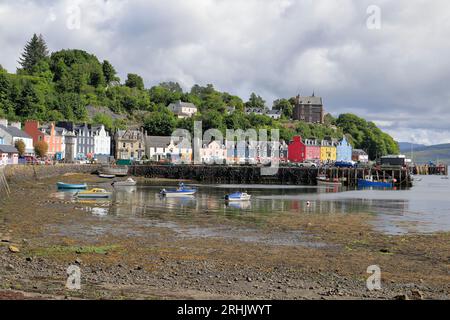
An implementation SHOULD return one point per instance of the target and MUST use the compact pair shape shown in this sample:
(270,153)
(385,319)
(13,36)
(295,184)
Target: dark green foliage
(109,72)
(255,101)
(134,81)
(160,123)
(367,136)
(34,52)
(285,106)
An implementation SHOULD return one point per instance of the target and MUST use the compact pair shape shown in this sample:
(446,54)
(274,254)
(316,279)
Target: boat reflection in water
(240,205)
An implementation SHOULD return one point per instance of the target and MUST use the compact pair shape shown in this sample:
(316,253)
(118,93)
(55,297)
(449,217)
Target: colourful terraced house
(328,151)
(344,150)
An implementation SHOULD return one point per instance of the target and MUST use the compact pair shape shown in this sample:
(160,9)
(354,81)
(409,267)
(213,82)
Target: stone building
(309,109)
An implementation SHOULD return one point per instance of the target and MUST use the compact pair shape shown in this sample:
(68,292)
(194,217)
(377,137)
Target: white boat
(181,191)
(125,183)
(95,193)
(107,176)
(324,181)
(238,196)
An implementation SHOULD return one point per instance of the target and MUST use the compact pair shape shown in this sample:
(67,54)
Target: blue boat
(181,191)
(368,182)
(62,185)
(238,196)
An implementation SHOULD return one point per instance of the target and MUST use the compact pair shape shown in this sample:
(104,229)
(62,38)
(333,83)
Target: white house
(213,152)
(9,134)
(183,109)
(102,141)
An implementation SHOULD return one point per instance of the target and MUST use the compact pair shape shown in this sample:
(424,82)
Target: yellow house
(328,151)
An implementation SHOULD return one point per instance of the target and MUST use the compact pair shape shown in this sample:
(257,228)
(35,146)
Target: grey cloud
(276,48)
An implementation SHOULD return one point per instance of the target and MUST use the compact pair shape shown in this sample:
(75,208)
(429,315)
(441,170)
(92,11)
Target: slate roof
(157,141)
(8,149)
(13,131)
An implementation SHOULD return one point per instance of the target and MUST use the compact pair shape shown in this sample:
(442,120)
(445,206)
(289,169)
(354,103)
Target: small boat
(181,191)
(96,193)
(106,176)
(370,182)
(125,183)
(324,181)
(119,171)
(238,196)
(62,185)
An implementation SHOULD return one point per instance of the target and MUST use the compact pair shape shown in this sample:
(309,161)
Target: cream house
(183,109)
(213,152)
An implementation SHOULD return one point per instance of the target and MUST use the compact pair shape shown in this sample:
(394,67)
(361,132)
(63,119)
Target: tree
(28,103)
(160,124)
(285,106)
(134,81)
(255,101)
(20,146)
(35,51)
(104,119)
(109,72)
(41,148)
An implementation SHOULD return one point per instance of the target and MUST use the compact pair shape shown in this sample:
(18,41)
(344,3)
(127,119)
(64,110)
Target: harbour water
(424,208)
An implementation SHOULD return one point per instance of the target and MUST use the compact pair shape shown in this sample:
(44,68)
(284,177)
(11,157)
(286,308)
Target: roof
(359,151)
(310,100)
(158,141)
(15,132)
(8,149)
(274,112)
(254,110)
(183,104)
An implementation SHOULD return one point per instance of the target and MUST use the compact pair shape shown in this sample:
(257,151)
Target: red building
(296,150)
(32,128)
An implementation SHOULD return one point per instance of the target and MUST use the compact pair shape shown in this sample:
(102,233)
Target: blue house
(344,150)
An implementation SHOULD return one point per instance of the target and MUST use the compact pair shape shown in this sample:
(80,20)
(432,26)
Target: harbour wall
(252,174)
(20,173)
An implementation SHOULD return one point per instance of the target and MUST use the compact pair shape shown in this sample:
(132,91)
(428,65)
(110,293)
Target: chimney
(17,125)
(4,122)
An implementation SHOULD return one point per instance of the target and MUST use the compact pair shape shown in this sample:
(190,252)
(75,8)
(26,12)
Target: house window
(124,145)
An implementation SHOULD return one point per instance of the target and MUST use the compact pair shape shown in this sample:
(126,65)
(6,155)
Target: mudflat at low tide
(137,245)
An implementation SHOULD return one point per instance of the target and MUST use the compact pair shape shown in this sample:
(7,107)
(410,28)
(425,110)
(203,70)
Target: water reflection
(423,208)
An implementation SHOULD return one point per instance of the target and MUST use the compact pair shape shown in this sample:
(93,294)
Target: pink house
(312,150)
(8,155)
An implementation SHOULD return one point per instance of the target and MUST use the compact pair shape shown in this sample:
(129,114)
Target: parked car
(307,164)
(344,164)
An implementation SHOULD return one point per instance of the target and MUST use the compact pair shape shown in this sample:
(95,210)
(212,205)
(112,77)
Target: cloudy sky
(394,70)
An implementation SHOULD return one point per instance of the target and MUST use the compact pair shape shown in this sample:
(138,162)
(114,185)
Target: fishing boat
(324,181)
(181,191)
(238,196)
(62,185)
(125,183)
(106,176)
(95,193)
(368,182)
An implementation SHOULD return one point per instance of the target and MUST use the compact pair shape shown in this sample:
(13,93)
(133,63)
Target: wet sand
(140,258)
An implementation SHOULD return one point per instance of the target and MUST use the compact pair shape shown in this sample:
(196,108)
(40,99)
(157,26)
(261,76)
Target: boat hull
(238,199)
(375,184)
(328,183)
(178,193)
(92,196)
(106,176)
(62,185)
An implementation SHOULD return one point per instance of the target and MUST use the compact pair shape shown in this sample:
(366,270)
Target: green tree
(134,81)
(35,51)
(255,101)
(285,106)
(104,119)
(28,104)
(109,72)
(20,146)
(160,124)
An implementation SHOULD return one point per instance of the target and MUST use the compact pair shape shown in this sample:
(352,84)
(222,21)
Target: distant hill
(406,146)
(424,154)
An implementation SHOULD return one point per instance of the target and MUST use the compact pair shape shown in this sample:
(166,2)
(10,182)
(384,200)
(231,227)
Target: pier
(252,174)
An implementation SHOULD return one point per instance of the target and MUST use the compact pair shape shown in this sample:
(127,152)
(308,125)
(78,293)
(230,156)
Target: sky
(387,61)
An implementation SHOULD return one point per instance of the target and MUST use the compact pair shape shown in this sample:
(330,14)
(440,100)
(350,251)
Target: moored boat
(63,185)
(324,181)
(369,181)
(119,171)
(106,176)
(238,196)
(125,183)
(95,193)
(181,191)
